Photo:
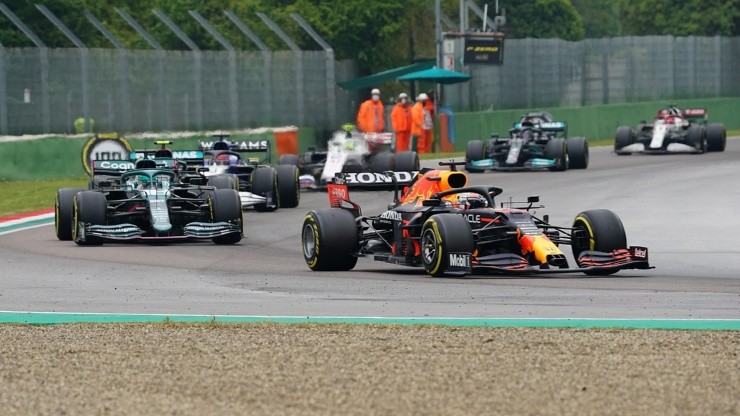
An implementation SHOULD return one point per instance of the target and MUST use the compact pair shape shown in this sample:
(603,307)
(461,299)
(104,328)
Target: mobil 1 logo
(104,147)
(459,262)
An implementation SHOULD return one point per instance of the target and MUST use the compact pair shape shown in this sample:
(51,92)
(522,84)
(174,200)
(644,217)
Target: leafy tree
(544,19)
(600,17)
(680,18)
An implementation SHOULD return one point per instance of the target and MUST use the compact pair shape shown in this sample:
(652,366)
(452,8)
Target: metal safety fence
(554,72)
(43,90)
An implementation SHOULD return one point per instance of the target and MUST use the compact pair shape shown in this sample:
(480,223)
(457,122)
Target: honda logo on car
(391,215)
(460,260)
(374,177)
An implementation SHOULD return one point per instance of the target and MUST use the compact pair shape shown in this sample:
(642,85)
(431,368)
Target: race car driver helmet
(225,159)
(469,200)
(143,181)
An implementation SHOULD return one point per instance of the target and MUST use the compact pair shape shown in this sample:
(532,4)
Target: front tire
(288,186)
(695,136)
(577,152)
(330,239)
(716,137)
(557,149)
(226,206)
(600,230)
(90,207)
(63,212)
(441,235)
(474,151)
(265,183)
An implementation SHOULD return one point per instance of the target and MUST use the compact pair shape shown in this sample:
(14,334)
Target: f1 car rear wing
(696,115)
(552,126)
(249,146)
(376,180)
(111,167)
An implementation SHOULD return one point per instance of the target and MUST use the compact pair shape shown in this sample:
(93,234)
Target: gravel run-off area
(365,369)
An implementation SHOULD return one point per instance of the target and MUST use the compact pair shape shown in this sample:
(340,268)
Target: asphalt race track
(683,207)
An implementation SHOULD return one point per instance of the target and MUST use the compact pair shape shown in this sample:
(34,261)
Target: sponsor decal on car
(392,215)
(459,262)
(369,178)
(121,165)
(639,252)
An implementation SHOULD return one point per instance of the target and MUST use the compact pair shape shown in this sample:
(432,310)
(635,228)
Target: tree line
(379,34)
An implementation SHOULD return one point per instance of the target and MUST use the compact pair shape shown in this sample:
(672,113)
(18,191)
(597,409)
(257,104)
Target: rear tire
(441,235)
(330,239)
(577,152)
(603,232)
(265,183)
(288,186)
(407,161)
(226,206)
(89,208)
(475,150)
(288,160)
(716,137)
(624,137)
(63,212)
(557,149)
(382,162)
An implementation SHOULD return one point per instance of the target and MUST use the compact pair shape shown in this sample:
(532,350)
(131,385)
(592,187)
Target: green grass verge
(29,196)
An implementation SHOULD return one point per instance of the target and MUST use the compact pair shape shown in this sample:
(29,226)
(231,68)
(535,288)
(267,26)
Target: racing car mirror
(534,198)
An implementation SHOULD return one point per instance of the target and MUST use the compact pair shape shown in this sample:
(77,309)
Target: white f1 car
(673,131)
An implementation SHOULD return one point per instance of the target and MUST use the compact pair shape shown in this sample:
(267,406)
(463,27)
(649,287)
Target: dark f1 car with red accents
(674,130)
(451,229)
(536,142)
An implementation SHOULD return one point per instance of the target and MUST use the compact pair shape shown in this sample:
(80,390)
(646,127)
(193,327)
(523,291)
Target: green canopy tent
(385,76)
(436,75)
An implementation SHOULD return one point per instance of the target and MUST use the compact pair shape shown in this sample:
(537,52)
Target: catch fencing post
(331,104)
(3,94)
(44,61)
(122,69)
(266,65)
(84,58)
(160,58)
(197,64)
(300,97)
(233,91)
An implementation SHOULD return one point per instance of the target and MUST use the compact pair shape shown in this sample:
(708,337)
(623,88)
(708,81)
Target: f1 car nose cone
(162,228)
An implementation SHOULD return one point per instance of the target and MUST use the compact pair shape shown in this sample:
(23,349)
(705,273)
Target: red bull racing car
(452,229)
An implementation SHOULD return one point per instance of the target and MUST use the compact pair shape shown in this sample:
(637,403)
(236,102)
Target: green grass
(29,196)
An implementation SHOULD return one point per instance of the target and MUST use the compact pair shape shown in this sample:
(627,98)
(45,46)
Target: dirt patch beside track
(364,369)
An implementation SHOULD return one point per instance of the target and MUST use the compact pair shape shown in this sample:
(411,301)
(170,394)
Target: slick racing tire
(288,186)
(63,215)
(557,149)
(475,150)
(382,162)
(226,206)
(441,235)
(407,161)
(89,208)
(265,183)
(288,160)
(598,230)
(716,137)
(330,239)
(622,139)
(695,136)
(577,153)
(228,181)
